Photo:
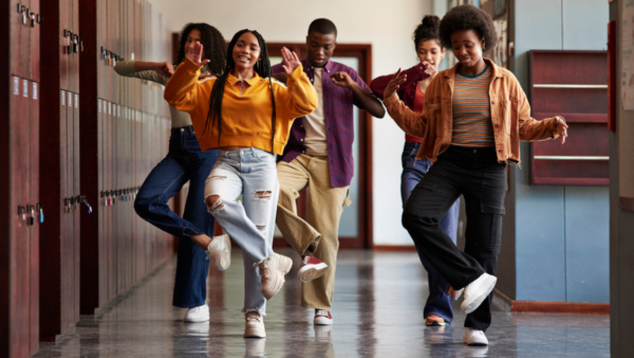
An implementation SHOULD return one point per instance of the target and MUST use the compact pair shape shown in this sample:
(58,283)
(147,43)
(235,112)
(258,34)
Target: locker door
(112,278)
(25,40)
(15,12)
(76,170)
(104,208)
(64,41)
(34,30)
(66,195)
(34,235)
(19,283)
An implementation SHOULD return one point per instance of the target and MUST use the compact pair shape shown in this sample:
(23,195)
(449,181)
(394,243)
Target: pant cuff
(256,310)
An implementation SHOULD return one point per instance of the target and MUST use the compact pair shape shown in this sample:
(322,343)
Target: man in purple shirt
(318,156)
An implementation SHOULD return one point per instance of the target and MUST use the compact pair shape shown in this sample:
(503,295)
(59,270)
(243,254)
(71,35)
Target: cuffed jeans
(438,302)
(481,179)
(249,172)
(320,230)
(184,162)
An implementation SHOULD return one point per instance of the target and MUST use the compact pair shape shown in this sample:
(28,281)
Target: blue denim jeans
(184,162)
(252,174)
(438,302)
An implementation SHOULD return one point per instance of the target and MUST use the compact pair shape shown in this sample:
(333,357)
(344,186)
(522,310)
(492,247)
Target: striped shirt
(472,125)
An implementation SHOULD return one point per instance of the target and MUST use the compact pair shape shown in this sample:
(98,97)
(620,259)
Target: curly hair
(213,43)
(468,17)
(426,30)
(262,68)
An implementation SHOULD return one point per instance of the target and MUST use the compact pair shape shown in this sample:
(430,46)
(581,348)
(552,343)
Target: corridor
(377,313)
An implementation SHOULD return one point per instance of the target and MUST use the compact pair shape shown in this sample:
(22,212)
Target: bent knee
(214,203)
(413,221)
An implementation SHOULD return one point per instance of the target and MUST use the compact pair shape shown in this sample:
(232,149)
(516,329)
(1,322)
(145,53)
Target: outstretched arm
(368,101)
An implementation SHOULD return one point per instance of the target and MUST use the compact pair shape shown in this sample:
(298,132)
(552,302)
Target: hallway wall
(563,228)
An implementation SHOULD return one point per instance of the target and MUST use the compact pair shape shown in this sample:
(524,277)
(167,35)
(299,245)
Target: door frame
(363,52)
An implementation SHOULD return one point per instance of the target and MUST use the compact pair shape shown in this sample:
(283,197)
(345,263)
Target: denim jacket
(510,116)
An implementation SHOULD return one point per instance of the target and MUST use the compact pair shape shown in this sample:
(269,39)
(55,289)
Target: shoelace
(321,313)
(252,316)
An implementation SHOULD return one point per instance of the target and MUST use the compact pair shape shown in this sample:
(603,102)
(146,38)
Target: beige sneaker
(254,325)
(272,271)
(220,249)
(474,337)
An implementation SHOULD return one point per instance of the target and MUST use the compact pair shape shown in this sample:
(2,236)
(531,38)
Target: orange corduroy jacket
(510,116)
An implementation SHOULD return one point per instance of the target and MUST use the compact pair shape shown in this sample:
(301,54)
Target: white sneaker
(474,337)
(254,325)
(220,249)
(272,271)
(197,314)
(311,269)
(322,318)
(477,291)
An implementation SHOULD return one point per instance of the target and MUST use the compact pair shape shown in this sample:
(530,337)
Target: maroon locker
(34,187)
(18,285)
(16,28)
(36,19)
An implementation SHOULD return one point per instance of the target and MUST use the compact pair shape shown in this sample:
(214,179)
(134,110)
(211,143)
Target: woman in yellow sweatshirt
(247,115)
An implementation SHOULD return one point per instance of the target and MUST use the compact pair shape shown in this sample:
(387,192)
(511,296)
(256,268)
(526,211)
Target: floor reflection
(377,313)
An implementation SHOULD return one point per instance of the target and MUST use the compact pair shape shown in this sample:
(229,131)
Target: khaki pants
(320,230)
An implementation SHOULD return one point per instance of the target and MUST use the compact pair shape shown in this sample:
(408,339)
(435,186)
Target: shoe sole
(434,324)
(311,273)
(473,304)
(285,266)
(254,334)
(195,320)
(320,321)
(476,344)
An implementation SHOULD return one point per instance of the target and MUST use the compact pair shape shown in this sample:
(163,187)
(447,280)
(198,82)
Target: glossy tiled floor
(377,312)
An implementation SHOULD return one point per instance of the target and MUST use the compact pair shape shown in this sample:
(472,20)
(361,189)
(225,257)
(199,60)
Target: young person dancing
(474,116)
(185,161)
(438,311)
(318,158)
(248,117)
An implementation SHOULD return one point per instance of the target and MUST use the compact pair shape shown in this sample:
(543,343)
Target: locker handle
(31,210)
(32,19)
(39,18)
(22,212)
(40,211)
(82,200)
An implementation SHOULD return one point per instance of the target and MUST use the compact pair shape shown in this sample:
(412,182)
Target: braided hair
(427,30)
(213,43)
(262,68)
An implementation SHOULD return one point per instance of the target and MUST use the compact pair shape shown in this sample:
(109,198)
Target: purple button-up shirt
(339,121)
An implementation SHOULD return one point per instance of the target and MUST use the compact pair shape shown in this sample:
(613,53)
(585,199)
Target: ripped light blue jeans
(252,173)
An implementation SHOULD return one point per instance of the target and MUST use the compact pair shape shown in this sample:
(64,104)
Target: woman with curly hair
(185,161)
(438,311)
(247,115)
(474,116)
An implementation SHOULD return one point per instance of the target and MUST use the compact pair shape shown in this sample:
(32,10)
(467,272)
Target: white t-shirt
(314,123)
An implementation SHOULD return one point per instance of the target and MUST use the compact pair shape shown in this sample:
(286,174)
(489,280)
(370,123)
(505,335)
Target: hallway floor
(377,313)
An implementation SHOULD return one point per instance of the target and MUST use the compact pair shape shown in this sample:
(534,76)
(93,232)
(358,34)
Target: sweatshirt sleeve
(184,92)
(126,68)
(300,97)
(411,122)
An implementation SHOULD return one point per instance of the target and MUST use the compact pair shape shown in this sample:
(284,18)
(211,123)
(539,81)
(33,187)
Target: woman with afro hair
(438,311)
(185,161)
(473,118)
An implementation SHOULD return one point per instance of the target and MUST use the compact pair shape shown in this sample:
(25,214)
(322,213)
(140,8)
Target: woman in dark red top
(430,52)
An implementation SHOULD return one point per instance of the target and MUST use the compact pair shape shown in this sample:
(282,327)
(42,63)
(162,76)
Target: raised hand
(291,61)
(561,129)
(165,68)
(397,80)
(342,79)
(195,53)
(430,69)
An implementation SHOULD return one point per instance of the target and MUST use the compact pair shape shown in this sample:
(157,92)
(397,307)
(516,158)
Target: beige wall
(387,25)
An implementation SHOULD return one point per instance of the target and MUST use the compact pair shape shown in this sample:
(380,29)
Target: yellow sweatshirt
(246,107)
